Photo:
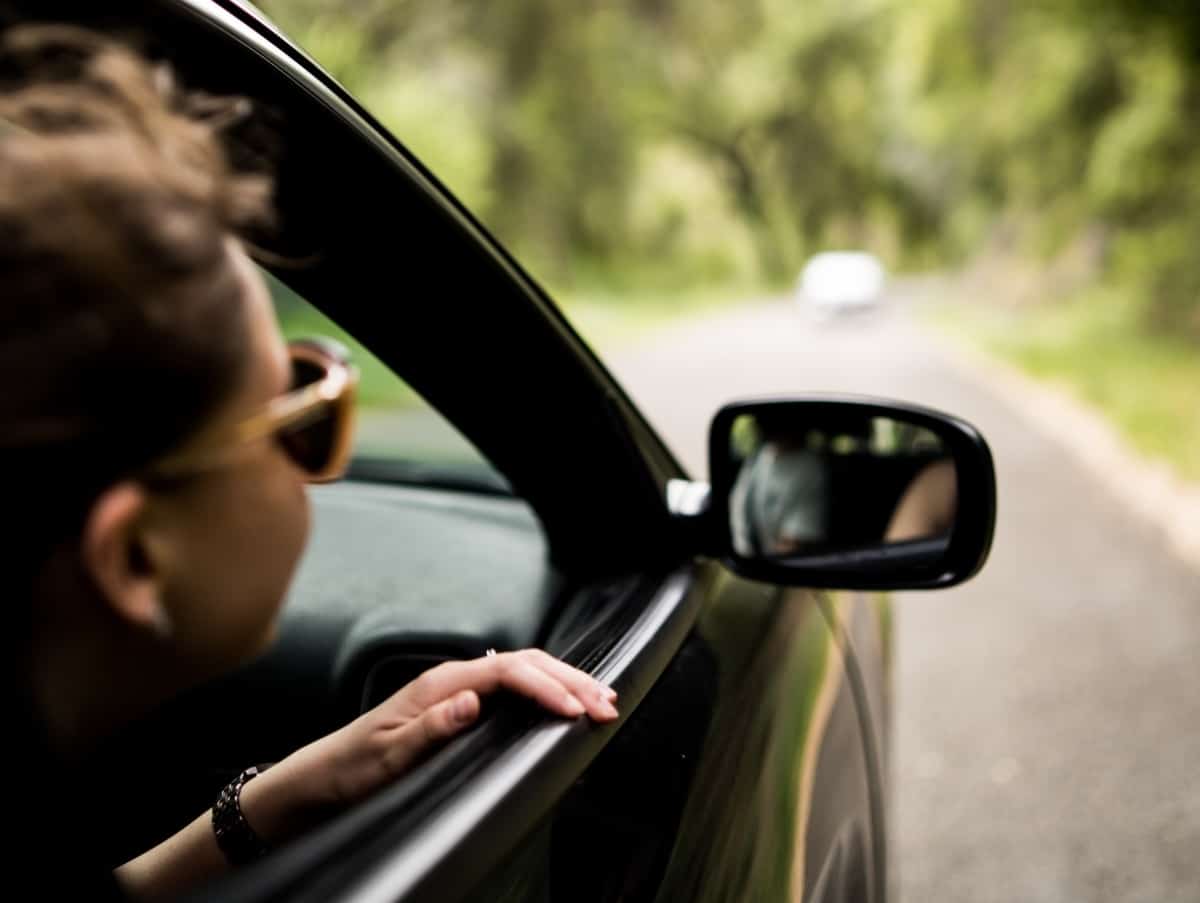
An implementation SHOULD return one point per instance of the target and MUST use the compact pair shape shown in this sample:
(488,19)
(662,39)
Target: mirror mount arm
(690,505)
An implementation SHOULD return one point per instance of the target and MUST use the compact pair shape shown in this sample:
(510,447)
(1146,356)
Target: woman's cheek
(266,528)
(288,528)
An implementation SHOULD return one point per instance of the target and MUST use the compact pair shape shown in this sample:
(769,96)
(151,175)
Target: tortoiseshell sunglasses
(313,422)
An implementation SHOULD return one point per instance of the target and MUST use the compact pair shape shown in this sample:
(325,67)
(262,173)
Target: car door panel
(739,776)
(782,776)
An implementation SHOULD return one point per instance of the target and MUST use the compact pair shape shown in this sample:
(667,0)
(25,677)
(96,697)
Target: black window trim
(628,502)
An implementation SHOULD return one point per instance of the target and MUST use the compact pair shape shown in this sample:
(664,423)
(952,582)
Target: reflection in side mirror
(835,492)
(806,488)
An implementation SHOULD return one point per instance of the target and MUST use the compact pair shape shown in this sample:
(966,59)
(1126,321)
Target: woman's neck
(89,676)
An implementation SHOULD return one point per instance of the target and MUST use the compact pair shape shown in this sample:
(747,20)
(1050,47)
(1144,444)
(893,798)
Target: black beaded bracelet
(235,837)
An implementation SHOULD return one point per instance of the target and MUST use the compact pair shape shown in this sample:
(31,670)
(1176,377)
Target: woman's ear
(123,560)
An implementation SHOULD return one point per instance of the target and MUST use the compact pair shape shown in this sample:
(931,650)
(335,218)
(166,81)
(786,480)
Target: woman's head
(132,325)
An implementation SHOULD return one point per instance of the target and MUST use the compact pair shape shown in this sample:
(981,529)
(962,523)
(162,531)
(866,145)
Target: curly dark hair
(120,312)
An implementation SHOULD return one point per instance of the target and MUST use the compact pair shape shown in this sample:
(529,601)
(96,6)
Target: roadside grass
(1147,384)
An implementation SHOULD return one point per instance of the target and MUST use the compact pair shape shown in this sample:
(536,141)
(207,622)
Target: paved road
(1047,723)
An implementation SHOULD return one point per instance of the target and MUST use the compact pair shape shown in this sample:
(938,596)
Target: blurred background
(1019,183)
(651,157)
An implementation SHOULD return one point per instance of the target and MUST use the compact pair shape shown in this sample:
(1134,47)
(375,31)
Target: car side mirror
(830,491)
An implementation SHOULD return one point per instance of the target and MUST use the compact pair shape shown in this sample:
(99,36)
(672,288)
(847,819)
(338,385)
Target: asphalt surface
(1046,730)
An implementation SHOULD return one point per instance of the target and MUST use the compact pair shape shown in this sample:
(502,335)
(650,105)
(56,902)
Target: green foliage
(689,144)
(1069,117)
(672,146)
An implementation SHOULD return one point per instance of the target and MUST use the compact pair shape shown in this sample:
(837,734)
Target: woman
(158,447)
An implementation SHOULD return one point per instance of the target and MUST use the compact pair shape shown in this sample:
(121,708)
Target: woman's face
(235,533)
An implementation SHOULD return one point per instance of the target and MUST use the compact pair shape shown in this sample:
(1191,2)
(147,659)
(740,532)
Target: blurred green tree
(674,142)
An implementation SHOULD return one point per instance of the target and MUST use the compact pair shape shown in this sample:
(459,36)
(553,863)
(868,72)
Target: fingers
(522,676)
(594,695)
(555,684)
(435,726)
(444,701)
(531,673)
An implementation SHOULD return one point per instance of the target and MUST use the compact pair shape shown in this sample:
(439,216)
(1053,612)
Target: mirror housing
(847,492)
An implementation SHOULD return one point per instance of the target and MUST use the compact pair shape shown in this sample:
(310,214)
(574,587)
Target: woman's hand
(346,766)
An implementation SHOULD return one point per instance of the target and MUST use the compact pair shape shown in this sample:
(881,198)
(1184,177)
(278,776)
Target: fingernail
(463,710)
(574,706)
(610,693)
(609,710)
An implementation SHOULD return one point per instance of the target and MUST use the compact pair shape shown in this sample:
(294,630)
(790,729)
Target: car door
(744,765)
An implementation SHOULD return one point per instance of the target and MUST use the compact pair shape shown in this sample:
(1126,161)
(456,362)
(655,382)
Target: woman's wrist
(280,803)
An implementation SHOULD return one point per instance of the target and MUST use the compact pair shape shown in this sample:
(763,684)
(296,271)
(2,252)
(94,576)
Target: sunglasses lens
(305,372)
(311,443)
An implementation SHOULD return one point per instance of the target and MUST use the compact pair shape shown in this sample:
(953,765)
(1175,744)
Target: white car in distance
(835,282)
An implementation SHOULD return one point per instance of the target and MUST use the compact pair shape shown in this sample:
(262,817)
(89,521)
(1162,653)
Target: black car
(749,760)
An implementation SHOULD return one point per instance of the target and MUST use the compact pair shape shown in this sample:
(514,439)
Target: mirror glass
(835,484)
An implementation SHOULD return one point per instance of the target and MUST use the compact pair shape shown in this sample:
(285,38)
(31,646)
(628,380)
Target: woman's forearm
(182,861)
(191,856)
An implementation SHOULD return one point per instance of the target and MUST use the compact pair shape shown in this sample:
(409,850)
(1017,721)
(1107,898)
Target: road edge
(1149,488)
